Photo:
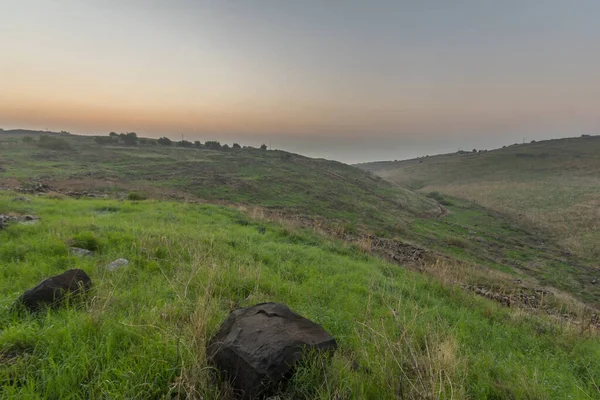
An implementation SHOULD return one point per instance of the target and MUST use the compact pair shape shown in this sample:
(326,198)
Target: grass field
(553,185)
(142,331)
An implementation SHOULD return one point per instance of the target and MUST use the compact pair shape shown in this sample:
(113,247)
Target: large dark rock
(54,290)
(259,346)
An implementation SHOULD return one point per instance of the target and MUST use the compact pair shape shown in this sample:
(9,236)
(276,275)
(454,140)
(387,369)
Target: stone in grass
(258,347)
(22,199)
(79,252)
(117,264)
(53,291)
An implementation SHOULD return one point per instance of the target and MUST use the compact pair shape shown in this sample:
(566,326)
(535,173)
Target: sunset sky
(349,80)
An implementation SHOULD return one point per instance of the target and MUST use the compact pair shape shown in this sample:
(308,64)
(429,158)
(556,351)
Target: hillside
(273,180)
(142,331)
(553,185)
(333,198)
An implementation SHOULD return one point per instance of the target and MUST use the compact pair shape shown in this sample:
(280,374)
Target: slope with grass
(552,184)
(275,180)
(341,200)
(142,332)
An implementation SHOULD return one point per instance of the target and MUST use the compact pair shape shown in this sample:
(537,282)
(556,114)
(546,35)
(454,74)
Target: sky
(347,80)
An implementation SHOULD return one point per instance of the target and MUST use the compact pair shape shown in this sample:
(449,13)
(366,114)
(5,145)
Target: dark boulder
(54,290)
(258,347)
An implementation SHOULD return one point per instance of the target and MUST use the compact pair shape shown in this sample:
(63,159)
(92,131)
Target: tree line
(132,139)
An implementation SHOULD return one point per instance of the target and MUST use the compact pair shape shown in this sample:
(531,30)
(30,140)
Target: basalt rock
(258,347)
(53,292)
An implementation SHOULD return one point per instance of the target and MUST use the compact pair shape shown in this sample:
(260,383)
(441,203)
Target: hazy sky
(349,80)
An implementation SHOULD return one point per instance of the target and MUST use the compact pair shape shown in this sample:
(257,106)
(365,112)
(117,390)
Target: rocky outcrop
(258,347)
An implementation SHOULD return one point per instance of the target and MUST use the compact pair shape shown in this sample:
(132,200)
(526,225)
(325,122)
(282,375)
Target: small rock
(22,199)
(81,252)
(119,263)
(258,347)
(54,290)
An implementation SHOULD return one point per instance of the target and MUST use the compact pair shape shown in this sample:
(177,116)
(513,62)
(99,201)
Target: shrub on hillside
(164,141)
(129,138)
(263,147)
(28,139)
(85,240)
(212,144)
(184,143)
(236,146)
(54,143)
(437,196)
(136,196)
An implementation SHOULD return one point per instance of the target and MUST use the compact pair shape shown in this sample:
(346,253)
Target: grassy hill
(553,185)
(274,180)
(339,200)
(142,332)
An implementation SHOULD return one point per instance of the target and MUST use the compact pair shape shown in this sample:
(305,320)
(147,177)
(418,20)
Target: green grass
(552,184)
(141,334)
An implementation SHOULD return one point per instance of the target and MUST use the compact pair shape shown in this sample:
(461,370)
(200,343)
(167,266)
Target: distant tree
(533,141)
(113,134)
(236,146)
(28,139)
(212,144)
(584,135)
(165,141)
(225,147)
(474,150)
(198,144)
(263,147)
(129,138)
(184,143)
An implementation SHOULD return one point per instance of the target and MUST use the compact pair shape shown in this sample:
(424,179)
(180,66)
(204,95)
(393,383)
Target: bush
(236,146)
(85,240)
(184,143)
(164,141)
(437,196)
(263,147)
(129,138)
(136,196)
(28,139)
(212,144)
(54,143)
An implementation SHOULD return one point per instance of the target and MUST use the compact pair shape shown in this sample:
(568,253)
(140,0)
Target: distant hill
(552,184)
(274,180)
